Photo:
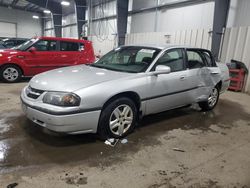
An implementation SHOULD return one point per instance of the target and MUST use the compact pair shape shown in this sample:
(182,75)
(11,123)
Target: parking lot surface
(182,148)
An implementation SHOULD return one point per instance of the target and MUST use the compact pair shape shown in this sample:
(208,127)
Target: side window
(194,59)
(52,46)
(69,46)
(173,58)
(208,58)
(45,45)
(81,47)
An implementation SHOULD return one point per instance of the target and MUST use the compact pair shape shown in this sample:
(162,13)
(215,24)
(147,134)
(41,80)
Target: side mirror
(32,49)
(162,69)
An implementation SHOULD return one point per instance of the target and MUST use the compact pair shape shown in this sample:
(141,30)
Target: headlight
(61,99)
(1,55)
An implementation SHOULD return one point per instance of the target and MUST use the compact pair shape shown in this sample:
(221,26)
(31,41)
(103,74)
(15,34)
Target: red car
(42,54)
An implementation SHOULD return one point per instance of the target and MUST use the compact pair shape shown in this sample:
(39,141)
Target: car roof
(165,46)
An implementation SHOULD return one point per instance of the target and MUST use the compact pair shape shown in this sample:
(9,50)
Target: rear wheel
(118,119)
(211,101)
(10,73)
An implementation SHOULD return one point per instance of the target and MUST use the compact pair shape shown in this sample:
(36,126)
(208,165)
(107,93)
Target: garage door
(7,29)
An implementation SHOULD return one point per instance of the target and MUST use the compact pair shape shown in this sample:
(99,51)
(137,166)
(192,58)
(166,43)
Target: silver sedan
(109,96)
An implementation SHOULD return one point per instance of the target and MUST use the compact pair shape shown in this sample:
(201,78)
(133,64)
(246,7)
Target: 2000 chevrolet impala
(109,96)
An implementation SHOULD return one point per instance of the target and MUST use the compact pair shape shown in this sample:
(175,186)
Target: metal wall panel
(195,38)
(103,44)
(26,26)
(239,13)
(8,29)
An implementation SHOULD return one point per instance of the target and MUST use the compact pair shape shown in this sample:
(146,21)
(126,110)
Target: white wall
(103,32)
(139,4)
(104,27)
(69,31)
(9,29)
(239,14)
(143,22)
(173,19)
(103,44)
(189,17)
(27,27)
(196,37)
(49,25)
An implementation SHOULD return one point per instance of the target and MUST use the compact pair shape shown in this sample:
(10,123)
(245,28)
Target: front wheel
(211,101)
(10,73)
(118,119)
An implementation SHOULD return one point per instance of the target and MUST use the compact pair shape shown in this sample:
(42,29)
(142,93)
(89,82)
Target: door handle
(214,72)
(20,57)
(183,77)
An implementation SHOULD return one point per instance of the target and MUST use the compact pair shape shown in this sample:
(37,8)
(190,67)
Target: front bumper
(70,123)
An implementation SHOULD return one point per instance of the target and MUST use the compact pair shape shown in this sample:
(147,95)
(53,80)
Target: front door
(43,58)
(167,91)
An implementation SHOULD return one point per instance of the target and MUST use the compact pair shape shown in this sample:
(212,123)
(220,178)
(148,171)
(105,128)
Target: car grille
(33,93)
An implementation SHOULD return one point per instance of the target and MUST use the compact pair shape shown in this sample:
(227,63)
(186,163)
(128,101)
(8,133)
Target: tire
(10,73)
(120,113)
(212,100)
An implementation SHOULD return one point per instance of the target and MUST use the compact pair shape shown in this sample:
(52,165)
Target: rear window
(208,58)
(194,59)
(69,46)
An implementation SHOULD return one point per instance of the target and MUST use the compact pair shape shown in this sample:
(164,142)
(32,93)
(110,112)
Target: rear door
(201,73)
(213,71)
(70,53)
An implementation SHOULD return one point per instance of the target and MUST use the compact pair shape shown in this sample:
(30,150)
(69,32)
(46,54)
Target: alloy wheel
(212,99)
(10,74)
(121,120)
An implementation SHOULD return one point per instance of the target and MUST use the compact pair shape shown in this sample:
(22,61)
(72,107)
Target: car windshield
(2,46)
(26,45)
(2,43)
(128,59)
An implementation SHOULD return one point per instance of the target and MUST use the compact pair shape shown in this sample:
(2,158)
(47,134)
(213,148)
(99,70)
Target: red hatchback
(42,54)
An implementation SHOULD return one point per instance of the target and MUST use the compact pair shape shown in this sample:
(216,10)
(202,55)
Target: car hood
(7,52)
(73,78)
